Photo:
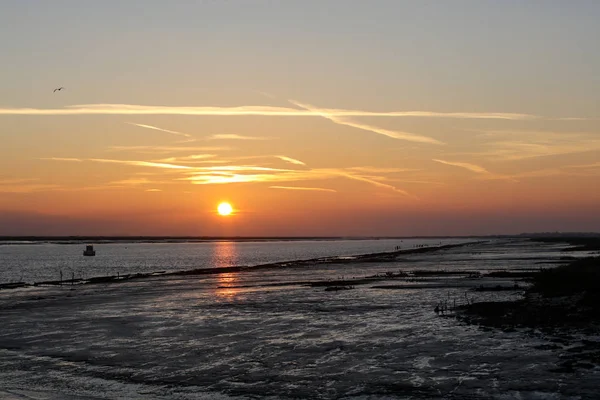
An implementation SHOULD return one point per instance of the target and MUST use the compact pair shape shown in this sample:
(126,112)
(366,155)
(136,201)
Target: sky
(312,118)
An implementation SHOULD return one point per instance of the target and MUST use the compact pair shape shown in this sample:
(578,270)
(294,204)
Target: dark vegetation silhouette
(563,303)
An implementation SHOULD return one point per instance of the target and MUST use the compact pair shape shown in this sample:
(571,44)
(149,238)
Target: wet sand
(277,332)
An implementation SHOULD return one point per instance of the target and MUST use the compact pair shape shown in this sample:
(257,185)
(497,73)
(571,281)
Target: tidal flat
(280,331)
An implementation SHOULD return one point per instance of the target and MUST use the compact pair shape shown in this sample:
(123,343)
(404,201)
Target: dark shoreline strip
(362,258)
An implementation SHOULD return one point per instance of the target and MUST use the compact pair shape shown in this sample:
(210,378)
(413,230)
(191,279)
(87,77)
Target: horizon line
(303,237)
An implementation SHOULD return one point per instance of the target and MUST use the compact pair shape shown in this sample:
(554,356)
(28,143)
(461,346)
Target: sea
(45,261)
(271,333)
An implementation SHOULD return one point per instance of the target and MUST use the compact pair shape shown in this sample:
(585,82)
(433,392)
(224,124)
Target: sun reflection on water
(226,285)
(225,255)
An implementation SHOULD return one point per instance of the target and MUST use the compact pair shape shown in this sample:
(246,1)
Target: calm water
(40,262)
(263,334)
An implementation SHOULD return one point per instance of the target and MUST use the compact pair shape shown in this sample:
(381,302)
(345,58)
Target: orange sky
(307,126)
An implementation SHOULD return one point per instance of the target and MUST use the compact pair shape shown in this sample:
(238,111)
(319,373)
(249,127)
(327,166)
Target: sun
(224,209)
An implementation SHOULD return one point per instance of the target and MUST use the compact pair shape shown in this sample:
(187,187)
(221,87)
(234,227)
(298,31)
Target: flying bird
(60,88)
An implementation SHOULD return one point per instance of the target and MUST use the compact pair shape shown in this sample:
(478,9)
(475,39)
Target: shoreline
(562,305)
(200,316)
(360,258)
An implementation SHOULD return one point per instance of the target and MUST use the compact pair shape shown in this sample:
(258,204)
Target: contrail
(160,129)
(290,160)
(470,167)
(268,111)
(386,132)
(233,136)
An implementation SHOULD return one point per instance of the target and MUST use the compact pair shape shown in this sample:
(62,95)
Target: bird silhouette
(60,88)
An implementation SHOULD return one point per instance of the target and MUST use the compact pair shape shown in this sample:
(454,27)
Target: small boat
(89,250)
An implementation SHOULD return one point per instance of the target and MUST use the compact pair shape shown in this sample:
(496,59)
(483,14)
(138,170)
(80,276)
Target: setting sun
(224,209)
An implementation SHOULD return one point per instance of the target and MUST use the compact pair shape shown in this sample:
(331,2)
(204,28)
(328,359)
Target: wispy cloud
(569,170)
(375,183)
(519,150)
(585,166)
(191,158)
(62,159)
(167,149)
(541,173)
(412,137)
(290,160)
(240,168)
(161,129)
(232,136)
(227,174)
(269,95)
(513,145)
(153,190)
(141,163)
(125,162)
(219,175)
(379,170)
(132,182)
(315,189)
(468,166)
(133,109)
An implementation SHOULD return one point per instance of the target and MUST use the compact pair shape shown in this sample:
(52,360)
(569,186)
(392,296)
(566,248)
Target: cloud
(519,150)
(269,95)
(316,189)
(240,168)
(585,166)
(153,190)
(132,181)
(217,168)
(411,137)
(62,159)
(347,122)
(513,145)
(569,170)
(160,129)
(125,162)
(141,163)
(269,111)
(470,167)
(226,174)
(290,160)
(202,158)
(375,183)
(379,170)
(166,149)
(542,173)
(195,162)
(238,174)
(235,137)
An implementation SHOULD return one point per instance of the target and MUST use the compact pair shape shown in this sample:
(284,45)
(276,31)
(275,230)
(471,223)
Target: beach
(275,331)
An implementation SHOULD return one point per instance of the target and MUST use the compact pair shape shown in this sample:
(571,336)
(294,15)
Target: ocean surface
(267,333)
(36,262)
